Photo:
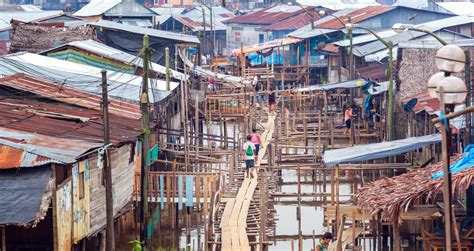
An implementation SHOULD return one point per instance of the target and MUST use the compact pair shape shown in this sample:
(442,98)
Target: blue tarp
(378,150)
(462,164)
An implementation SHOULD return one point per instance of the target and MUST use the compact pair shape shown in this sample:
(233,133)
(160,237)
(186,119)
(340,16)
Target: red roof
(295,22)
(263,17)
(68,95)
(62,120)
(356,16)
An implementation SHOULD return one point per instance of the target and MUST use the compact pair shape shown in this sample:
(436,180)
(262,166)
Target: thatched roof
(415,67)
(34,38)
(392,196)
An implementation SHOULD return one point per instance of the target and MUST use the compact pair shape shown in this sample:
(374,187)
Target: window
(261,38)
(81,185)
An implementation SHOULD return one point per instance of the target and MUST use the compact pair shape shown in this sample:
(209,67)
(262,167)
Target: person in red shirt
(347,120)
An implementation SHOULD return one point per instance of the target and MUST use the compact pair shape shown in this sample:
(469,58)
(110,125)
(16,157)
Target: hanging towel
(162,191)
(189,190)
(180,192)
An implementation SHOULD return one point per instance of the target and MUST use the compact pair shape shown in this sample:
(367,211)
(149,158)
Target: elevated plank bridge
(234,218)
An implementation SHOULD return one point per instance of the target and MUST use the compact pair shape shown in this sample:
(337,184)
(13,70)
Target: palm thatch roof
(392,196)
(35,38)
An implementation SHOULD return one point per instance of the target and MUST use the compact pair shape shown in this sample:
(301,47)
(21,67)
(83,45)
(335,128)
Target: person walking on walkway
(324,242)
(249,156)
(256,140)
(347,119)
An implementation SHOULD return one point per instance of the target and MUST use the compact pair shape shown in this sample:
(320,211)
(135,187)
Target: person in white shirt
(249,156)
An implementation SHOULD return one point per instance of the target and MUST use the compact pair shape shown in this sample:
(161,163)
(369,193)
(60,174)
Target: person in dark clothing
(271,99)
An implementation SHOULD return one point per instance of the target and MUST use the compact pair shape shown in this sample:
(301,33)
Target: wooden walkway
(234,218)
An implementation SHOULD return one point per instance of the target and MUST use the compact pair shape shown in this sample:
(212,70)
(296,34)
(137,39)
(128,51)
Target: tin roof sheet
(96,8)
(23,149)
(62,120)
(68,95)
(82,77)
(26,16)
(357,16)
(146,31)
(295,22)
(268,45)
(267,16)
(458,8)
(117,55)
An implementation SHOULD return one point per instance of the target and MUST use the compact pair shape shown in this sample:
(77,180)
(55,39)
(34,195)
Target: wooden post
(4,237)
(339,233)
(396,237)
(109,200)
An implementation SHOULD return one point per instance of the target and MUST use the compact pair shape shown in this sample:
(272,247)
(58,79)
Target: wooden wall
(64,215)
(122,176)
(81,204)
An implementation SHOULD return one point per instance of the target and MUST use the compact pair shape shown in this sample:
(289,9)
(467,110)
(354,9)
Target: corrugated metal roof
(357,16)
(68,95)
(294,22)
(117,55)
(311,33)
(433,26)
(171,11)
(458,8)
(366,38)
(194,18)
(267,16)
(339,4)
(63,120)
(146,31)
(25,16)
(82,77)
(307,28)
(96,8)
(129,8)
(374,71)
(268,45)
(23,149)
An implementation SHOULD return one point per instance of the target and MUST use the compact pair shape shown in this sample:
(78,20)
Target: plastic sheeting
(200,71)
(21,194)
(378,150)
(358,83)
(460,165)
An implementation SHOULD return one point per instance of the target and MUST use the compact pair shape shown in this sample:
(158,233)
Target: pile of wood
(35,38)
(392,196)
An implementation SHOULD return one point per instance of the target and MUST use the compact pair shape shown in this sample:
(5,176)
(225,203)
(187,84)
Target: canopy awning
(378,150)
(267,45)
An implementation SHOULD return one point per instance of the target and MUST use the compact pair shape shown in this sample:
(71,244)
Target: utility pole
(109,200)
(145,110)
(204,27)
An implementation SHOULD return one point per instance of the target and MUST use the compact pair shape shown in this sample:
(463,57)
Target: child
(249,156)
(347,120)
(324,242)
(256,140)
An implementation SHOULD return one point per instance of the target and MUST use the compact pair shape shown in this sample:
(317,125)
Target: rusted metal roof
(21,149)
(295,22)
(374,72)
(267,16)
(356,16)
(62,120)
(68,95)
(268,45)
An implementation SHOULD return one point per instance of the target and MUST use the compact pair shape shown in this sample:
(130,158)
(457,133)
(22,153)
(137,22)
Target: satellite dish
(408,107)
